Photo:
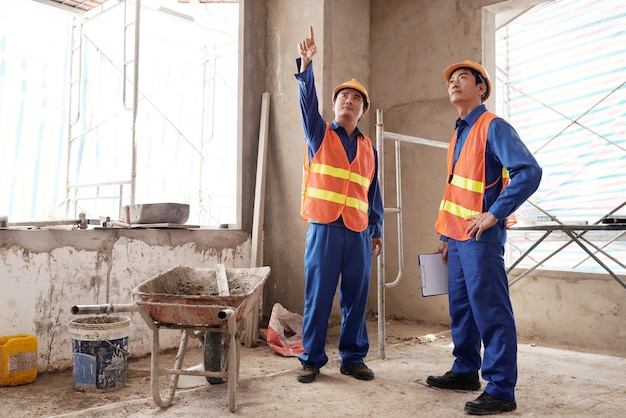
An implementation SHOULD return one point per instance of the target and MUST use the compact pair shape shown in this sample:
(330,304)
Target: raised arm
(306,49)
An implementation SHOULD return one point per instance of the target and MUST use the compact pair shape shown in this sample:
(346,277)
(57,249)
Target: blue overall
(480,309)
(333,252)
(478,292)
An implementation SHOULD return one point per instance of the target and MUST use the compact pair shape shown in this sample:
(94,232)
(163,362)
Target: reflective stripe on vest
(333,187)
(465,188)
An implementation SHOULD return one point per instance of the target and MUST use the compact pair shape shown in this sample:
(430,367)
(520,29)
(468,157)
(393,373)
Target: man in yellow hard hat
(341,201)
(490,174)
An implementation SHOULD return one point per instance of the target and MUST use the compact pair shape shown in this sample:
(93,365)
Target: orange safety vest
(333,187)
(465,188)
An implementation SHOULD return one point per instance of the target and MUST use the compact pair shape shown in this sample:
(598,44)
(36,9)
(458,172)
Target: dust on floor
(552,382)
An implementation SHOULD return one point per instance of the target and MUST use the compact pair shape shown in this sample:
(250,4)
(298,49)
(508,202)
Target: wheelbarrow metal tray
(188,297)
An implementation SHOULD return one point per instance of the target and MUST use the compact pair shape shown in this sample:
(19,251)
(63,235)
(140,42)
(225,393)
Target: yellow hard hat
(473,65)
(353,84)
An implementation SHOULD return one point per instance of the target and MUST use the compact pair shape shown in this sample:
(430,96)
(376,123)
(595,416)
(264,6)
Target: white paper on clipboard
(434,274)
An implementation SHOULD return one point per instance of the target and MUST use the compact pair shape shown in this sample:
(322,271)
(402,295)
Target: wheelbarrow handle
(104,308)
(226,313)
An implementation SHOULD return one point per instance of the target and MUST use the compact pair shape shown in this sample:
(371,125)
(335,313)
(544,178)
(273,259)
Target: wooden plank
(251,323)
(222,280)
(256,257)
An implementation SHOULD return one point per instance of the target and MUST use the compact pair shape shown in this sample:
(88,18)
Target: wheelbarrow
(202,301)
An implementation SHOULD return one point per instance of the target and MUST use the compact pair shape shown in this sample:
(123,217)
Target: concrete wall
(44,273)
(400,56)
(342,39)
(577,311)
(398,49)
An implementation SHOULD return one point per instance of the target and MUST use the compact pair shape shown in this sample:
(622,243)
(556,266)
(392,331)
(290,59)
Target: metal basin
(156,213)
(185,296)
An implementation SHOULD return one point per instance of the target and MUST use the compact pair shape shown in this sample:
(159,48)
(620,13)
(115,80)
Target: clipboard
(433,273)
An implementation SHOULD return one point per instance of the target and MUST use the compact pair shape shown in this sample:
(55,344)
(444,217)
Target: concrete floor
(552,382)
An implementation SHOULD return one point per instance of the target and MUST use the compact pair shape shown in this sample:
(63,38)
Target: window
(71,136)
(561,82)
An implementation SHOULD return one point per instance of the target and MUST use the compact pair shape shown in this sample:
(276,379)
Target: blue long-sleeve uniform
(334,251)
(478,292)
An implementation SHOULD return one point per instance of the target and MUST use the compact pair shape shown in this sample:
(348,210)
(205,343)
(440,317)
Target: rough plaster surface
(40,287)
(409,44)
(572,310)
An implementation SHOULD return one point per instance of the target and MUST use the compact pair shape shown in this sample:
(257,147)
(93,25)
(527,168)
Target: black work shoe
(308,373)
(455,381)
(358,370)
(486,404)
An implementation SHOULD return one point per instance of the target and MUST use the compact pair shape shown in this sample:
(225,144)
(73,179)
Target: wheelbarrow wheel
(215,355)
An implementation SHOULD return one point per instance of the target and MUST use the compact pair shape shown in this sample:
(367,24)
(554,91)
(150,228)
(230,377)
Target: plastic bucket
(100,352)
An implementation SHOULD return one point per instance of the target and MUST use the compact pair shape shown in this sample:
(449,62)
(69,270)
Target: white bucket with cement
(100,352)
